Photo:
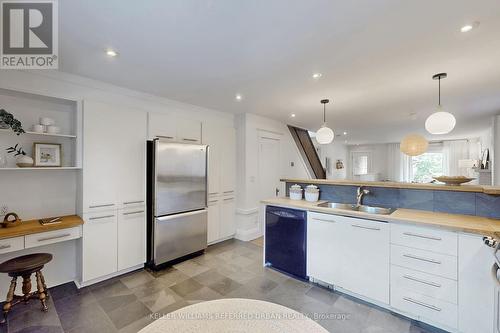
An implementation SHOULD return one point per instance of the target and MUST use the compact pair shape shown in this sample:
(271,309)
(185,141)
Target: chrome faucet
(362,191)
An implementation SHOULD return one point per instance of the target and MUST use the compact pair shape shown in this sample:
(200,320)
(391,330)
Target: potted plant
(22,160)
(7,120)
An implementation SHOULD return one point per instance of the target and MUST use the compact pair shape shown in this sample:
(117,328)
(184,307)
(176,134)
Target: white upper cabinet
(113,156)
(176,129)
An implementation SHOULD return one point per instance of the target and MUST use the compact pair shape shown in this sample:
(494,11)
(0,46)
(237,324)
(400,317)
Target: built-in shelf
(42,134)
(40,168)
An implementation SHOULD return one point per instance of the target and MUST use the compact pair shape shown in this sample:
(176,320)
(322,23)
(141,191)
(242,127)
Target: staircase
(308,152)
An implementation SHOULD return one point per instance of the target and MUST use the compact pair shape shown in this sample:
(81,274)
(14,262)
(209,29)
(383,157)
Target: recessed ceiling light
(292,115)
(111,53)
(238,97)
(469,27)
(345,133)
(317,75)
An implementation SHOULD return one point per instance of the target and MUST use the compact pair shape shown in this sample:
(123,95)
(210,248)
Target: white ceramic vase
(24,161)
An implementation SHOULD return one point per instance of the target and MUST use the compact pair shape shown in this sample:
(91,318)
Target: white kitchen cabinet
(227,226)
(131,237)
(357,249)
(213,232)
(173,128)
(228,161)
(99,255)
(477,291)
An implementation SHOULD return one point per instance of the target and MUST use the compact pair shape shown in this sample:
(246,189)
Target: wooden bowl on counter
(10,220)
(453,181)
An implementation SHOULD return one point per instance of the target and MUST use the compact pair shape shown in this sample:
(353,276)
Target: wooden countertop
(494,190)
(34,227)
(464,223)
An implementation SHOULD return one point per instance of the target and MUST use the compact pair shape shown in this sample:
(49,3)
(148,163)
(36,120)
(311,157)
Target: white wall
(248,128)
(379,159)
(334,151)
(496,151)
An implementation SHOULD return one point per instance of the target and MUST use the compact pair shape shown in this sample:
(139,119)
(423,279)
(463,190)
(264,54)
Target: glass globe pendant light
(325,134)
(440,122)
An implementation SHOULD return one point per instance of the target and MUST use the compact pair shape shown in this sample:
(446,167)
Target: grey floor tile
(73,302)
(160,300)
(173,307)
(128,314)
(225,286)
(149,288)
(63,290)
(323,295)
(40,329)
(90,316)
(114,288)
(115,302)
(137,325)
(261,284)
(34,318)
(135,279)
(379,321)
(172,276)
(209,277)
(186,287)
(202,294)
(191,268)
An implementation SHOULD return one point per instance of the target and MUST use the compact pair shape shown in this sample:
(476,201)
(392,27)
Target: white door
(131,237)
(99,244)
(269,167)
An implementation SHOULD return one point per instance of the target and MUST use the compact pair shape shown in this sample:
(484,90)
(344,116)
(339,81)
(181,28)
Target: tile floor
(229,269)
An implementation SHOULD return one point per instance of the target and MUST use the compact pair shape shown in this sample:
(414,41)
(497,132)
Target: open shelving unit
(28,107)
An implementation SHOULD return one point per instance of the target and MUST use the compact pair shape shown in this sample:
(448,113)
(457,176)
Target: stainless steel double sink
(361,208)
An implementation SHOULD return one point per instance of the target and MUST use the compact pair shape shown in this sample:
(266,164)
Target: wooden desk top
(34,227)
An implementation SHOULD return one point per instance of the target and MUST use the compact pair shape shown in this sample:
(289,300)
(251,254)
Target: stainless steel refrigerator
(177,200)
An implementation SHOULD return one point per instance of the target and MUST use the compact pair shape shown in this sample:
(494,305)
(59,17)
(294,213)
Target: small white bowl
(46,121)
(38,128)
(53,129)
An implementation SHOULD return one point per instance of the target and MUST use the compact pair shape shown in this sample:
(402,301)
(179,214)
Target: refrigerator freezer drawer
(179,235)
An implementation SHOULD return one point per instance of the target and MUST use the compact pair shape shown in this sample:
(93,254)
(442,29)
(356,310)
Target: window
(360,163)
(425,166)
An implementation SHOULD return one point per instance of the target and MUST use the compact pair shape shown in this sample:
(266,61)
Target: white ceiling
(376,57)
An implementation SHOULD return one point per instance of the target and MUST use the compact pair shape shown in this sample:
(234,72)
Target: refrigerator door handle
(176,216)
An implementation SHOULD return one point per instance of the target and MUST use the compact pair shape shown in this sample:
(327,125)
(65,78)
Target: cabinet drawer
(424,238)
(424,307)
(323,217)
(133,204)
(425,284)
(11,244)
(50,237)
(424,261)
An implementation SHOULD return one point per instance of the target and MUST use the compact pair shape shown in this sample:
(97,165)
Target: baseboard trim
(248,235)
(106,277)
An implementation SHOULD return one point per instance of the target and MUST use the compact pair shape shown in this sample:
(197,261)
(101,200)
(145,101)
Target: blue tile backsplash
(468,203)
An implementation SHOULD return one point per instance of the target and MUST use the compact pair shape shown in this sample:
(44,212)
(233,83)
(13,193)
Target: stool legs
(26,287)
(46,290)
(41,290)
(10,297)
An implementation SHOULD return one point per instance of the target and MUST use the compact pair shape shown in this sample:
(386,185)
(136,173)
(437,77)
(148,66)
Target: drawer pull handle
(165,137)
(190,140)
(422,236)
(212,193)
(136,212)
(228,191)
(213,201)
(227,199)
(434,284)
(324,220)
(53,237)
(363,227)
(429,306)
(98,206)
(3,247)
(133,202)
(433,261)
(101,217)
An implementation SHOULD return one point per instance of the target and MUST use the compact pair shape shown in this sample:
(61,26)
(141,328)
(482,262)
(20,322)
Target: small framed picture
(47,154)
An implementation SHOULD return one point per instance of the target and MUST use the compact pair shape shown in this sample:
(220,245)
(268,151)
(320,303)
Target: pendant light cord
(324,113)
(439,89)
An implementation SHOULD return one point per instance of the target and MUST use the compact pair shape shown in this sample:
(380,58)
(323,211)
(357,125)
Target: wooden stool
(25,266)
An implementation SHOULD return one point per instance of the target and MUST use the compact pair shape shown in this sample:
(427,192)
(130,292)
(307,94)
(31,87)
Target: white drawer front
(424,261)
(426,308)
(424,238)
(425,284)
(51,237)
(324,217)
(11,244)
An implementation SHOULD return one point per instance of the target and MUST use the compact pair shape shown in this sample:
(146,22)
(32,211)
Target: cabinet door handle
(228,191)
(412,278)
(324,220)
(53,237)
(212,201)
(227,199)
(190,140)
(422,236)
(433,261)
(429,306)
(3,247)
(212,193)
(101,217)
(363,227)
(98,206)
(165,137)
(136,212)
(133,202)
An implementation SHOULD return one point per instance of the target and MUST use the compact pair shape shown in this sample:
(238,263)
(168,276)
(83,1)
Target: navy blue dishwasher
(286,240)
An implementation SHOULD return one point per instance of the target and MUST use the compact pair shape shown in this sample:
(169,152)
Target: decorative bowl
(455,180)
